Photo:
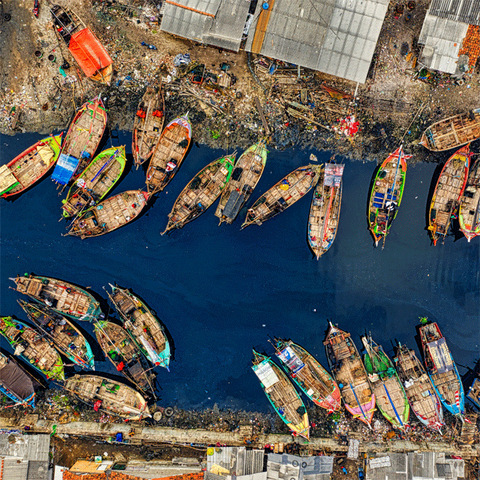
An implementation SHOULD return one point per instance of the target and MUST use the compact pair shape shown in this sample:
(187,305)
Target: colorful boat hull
(21,176)
(15,383)
(469,210)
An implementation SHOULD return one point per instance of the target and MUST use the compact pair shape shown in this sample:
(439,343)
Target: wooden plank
(262,116)
(261,28)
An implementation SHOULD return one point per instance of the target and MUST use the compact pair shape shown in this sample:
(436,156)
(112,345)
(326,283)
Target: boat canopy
(234,204)
(89,53)
(441,355)
(333,174)
(266,375)
(7,179)
(14,380)
(290,359)
(65,168)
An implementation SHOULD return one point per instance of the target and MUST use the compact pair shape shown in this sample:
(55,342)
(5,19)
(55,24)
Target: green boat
(33,348)
(248,171)
(63,297)
(30,166)
(282,394)
(95,181)
(390,395)
(143,325)
(201,192)
(66,337)
(386,194)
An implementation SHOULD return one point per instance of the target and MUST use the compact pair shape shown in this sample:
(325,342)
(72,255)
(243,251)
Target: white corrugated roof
(333,36)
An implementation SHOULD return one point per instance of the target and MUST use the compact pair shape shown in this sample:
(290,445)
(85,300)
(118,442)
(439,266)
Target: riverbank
(37,95)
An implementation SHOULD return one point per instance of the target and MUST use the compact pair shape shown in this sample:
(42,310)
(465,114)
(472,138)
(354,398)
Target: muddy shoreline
(38,95)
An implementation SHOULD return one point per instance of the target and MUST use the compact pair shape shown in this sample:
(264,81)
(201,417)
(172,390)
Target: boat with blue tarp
(441,368)
(81,142)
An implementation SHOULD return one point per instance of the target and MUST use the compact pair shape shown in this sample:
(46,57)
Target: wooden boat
(447,193)
(421,395)
(148,124)
(349,372)
(248,171)
(95,181)
(442,369)
(120,348)
(30,345)
(474,392)
(305,371)
(469,210)
(386,194)
(168,154)
(201,192)
(282,394)
(30,166)
(108,395)
(81,142)
(84,46)
(15,382)
(389,393)
(283,194)
(65,336)
(110,214)
(61,296)
(452,132)
(325,209)
(143,325)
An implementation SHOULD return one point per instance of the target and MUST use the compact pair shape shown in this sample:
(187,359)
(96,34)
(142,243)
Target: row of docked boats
(394,387)
(135,347)
(90,178)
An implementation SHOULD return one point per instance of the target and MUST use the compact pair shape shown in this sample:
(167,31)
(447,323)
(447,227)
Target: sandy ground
(36,96)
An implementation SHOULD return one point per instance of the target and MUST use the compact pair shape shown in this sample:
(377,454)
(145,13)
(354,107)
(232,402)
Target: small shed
(450,26)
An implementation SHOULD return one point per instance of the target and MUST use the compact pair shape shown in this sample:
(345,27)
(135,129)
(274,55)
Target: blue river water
(221,291)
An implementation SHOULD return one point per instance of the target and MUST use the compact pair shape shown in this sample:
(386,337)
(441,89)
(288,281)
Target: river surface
(221,291)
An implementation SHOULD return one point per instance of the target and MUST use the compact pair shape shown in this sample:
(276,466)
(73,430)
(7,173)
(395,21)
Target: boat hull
(77,303)
(448,191)
(15,383)
(386,194)
(345,364)
(469,209)
(95,182)
(31,165)
(442,369)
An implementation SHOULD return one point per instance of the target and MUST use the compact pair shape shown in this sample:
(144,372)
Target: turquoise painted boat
(15,383)
(442,369)
(30,166)
(143,325)
(201,192)
(66,337)
(95,181)
(63,297)
(282,394)
(469,210)
(32,347)
(389,393)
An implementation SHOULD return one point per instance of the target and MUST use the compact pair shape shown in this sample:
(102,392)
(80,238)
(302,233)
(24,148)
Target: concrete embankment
(150,435)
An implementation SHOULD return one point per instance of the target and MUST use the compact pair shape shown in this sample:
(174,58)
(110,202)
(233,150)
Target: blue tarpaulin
(65,168)
(119,437)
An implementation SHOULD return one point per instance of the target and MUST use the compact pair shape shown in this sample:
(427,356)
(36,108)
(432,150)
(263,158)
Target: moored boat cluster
(135,347)
(393,386)
(456,192)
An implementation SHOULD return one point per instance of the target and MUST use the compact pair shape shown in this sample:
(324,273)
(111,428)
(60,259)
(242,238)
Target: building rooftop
(291,467)
(444,31)
(337,37)
(214,22)
(415,466)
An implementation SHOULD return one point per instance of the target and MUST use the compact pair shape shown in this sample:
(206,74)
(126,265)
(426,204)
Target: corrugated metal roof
(442,39)
(467,11)
(27,447)
(333,36)
(14,469)
(224,29)
(236,460)
(287,467)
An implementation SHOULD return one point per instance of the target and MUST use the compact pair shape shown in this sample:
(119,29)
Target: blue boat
(15,383)
(442,369)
